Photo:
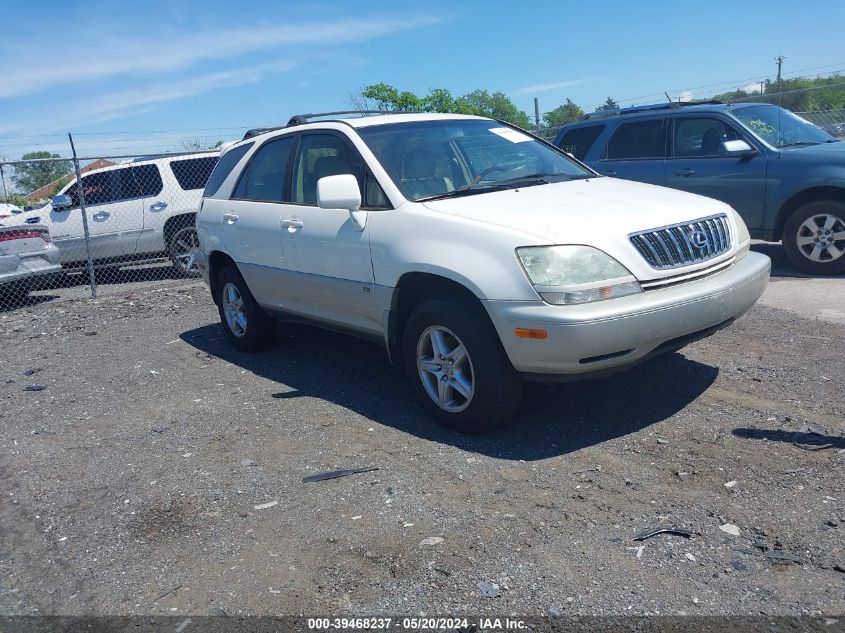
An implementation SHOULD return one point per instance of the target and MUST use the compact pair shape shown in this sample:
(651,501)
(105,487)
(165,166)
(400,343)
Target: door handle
(609,172)
(230,218)
(101,215)
(684,172)
(292,223)
(158,206)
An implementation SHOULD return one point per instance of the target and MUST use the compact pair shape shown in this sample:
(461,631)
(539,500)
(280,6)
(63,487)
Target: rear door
(694,165)
(636,150)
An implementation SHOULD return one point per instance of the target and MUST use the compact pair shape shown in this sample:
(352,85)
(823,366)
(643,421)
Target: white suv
(136,211)
(477,254)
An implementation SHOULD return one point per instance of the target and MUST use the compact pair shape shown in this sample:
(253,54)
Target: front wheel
(814,237)
(247,326)
(457,366)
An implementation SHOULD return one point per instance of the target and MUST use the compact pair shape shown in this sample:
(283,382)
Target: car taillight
(25,234)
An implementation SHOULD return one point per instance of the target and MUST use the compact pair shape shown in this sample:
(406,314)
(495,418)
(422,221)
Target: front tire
(814,237)
(457,366)
(247,326)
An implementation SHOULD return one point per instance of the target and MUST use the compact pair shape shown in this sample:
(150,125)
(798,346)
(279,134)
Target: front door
(114,207)
(694,165)
(326,253)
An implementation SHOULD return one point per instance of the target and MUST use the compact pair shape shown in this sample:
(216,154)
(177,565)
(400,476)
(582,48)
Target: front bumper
(613,334)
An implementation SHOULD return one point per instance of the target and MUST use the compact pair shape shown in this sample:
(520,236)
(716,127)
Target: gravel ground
(140,479)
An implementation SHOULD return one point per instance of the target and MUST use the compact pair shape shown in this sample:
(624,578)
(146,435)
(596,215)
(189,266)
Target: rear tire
(814,237)
(457,366)
(247,326)
(182,248)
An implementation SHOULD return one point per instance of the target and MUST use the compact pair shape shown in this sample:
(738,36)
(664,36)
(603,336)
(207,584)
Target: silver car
(28,260)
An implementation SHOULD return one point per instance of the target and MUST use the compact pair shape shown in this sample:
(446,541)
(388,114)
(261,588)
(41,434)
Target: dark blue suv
(783,175)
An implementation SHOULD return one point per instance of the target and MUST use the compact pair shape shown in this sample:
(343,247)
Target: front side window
(117,185)
(638,139)
(578,141)
(779,127)
(452,157)
(698,137)
(264,177)
(321,155)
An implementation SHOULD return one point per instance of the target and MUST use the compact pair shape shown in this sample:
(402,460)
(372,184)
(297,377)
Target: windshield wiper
(468,190)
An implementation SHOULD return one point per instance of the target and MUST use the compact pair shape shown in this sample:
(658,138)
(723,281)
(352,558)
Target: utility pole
(537,115)
(3,179)
(779,60)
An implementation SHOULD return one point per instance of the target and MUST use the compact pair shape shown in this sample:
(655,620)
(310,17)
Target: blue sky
(142,76)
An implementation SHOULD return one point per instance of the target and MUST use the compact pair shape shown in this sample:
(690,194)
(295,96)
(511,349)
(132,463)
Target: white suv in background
(136,212)
(477,254)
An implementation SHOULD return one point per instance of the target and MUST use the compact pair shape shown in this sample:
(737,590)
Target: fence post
(3,178)
(81,191)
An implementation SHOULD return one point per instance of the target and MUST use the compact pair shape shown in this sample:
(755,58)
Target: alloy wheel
(233,310)
(445,369)
(184,246)
(821,238)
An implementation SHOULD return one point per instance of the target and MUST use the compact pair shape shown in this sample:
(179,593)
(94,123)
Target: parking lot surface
(154,470)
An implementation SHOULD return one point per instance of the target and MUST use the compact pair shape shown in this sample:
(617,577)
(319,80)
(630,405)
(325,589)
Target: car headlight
(743,239)
(564,275)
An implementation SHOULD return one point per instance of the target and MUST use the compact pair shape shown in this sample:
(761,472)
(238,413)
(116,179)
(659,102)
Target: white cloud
(546,87)
(685,96)
(752,87)
(125,53)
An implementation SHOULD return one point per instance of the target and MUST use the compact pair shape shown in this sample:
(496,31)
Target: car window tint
(224,167)
(374,196)
(264,177)
(638,139)
(147,181)
(107,186)
(701,136)
(578,141)
(193,173)
(321,155)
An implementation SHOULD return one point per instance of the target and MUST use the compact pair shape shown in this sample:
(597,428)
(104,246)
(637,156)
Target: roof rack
(670,105)
(301,119)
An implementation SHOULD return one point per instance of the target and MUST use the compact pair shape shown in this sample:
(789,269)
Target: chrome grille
(684,244)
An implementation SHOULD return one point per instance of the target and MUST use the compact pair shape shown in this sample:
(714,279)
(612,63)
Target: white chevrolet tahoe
(137,211)
(477,254)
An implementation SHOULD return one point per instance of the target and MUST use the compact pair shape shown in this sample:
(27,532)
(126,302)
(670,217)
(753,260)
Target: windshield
(779,127)
(435,159)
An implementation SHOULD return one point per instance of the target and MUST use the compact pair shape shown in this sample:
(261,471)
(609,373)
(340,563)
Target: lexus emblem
(697,239)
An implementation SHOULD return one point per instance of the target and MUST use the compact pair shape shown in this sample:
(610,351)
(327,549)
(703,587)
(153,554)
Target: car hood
(827,152)
(590,211)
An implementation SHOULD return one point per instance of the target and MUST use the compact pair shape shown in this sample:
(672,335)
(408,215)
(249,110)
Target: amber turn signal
(526,333)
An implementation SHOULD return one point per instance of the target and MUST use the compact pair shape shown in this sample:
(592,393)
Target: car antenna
(668,98)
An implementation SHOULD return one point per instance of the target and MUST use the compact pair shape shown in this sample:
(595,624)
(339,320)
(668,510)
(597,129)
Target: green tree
(496,105)
(564,114)
(31,176)
(609,104)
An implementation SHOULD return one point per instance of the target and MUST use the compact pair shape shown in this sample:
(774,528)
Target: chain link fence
(130,221)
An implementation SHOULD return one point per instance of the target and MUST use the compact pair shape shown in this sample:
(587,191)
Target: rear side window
(193,173)
(578,141)
(148,180)
(638,139)
(224,167)
(264,177)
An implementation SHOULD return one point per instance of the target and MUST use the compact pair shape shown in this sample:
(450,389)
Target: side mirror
(737,148)
(62,202)
(339,192)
